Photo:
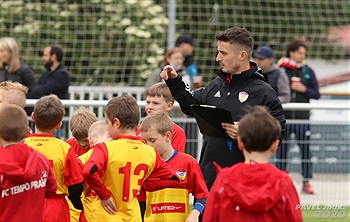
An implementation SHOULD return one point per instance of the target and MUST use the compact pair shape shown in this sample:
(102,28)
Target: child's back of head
(48,112)
(14,123)
(98,133)
(13,93)
(257,129)
(125,109)
(80,123)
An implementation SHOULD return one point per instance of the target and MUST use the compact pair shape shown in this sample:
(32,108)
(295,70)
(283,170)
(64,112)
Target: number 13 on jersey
(130,179)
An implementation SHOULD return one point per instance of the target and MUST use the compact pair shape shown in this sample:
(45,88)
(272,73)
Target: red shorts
(56,209)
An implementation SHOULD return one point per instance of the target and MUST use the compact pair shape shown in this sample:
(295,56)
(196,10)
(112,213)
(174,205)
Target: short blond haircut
(13,93)
(80,123)
(159,121)
(161,90)
(98,131)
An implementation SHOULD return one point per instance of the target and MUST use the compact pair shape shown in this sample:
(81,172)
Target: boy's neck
(38,131)
(5,144)
(127,132)
(256,157)
(167,154)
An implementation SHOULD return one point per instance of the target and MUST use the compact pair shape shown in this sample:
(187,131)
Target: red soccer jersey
(178,142)
(65,167)
(124,165)
(26,179)
(252,192)
(79,150)
(173,203)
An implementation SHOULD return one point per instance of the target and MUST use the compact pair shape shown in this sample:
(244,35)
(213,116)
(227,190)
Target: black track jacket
(232,97)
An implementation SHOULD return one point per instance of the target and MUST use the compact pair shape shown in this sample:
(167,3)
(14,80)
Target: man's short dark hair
(237,36)
(57,51)
(294,46)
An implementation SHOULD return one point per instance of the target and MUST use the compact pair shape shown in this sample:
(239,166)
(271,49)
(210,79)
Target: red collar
(41,135)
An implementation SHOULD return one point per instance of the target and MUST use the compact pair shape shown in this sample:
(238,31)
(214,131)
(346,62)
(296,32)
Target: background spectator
(278,80)
(56,79)
(173,57)
(304,86)
(12,68)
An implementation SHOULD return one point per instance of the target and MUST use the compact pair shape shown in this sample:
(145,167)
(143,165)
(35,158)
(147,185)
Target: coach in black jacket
(239,83)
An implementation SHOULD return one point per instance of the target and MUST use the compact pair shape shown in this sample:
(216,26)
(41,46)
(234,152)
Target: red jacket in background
(252,192)
(26,178)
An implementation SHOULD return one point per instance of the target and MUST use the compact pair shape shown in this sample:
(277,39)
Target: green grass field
(321,214)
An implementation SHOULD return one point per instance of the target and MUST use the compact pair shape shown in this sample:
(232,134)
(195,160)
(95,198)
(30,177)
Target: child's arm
(95,168)
(73,179)
(162,176)
(293,212)
(51,183)
(197,187)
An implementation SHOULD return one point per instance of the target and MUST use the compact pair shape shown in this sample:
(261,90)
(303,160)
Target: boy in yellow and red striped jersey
(172,204)
(117,169)
(97,133)
(47,116)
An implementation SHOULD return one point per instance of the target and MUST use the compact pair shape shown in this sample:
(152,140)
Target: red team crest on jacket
(243,96)
(181,173)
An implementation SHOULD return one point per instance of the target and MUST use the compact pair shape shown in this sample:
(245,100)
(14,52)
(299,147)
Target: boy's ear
(116,121)
(170,106)
(274,146)
(28,131)
(58,125)
(32,116)
(91,143)
(168,136)
(240,144)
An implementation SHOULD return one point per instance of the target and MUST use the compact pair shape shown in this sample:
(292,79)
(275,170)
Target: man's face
(298,55)
(229,59)
(47,57)
(156,103)
(264,64)
(156,140)
(187,49)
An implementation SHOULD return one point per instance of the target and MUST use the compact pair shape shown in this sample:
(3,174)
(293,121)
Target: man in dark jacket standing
(56,79)
(304,86)
(239,83)
(277,78)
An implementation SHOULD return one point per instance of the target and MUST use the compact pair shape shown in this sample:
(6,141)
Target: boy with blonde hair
(117,169)
(13,93)
(159,98)
(47,116)
(26,176)
(254,190)
(79,126)
(192,181)
(98,133)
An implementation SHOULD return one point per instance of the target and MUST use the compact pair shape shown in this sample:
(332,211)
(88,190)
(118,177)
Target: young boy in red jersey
(98,133)
(159,98)
(117,169)
(47,116)
(254,190)
(79,126)
(156,130)
(26,176)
